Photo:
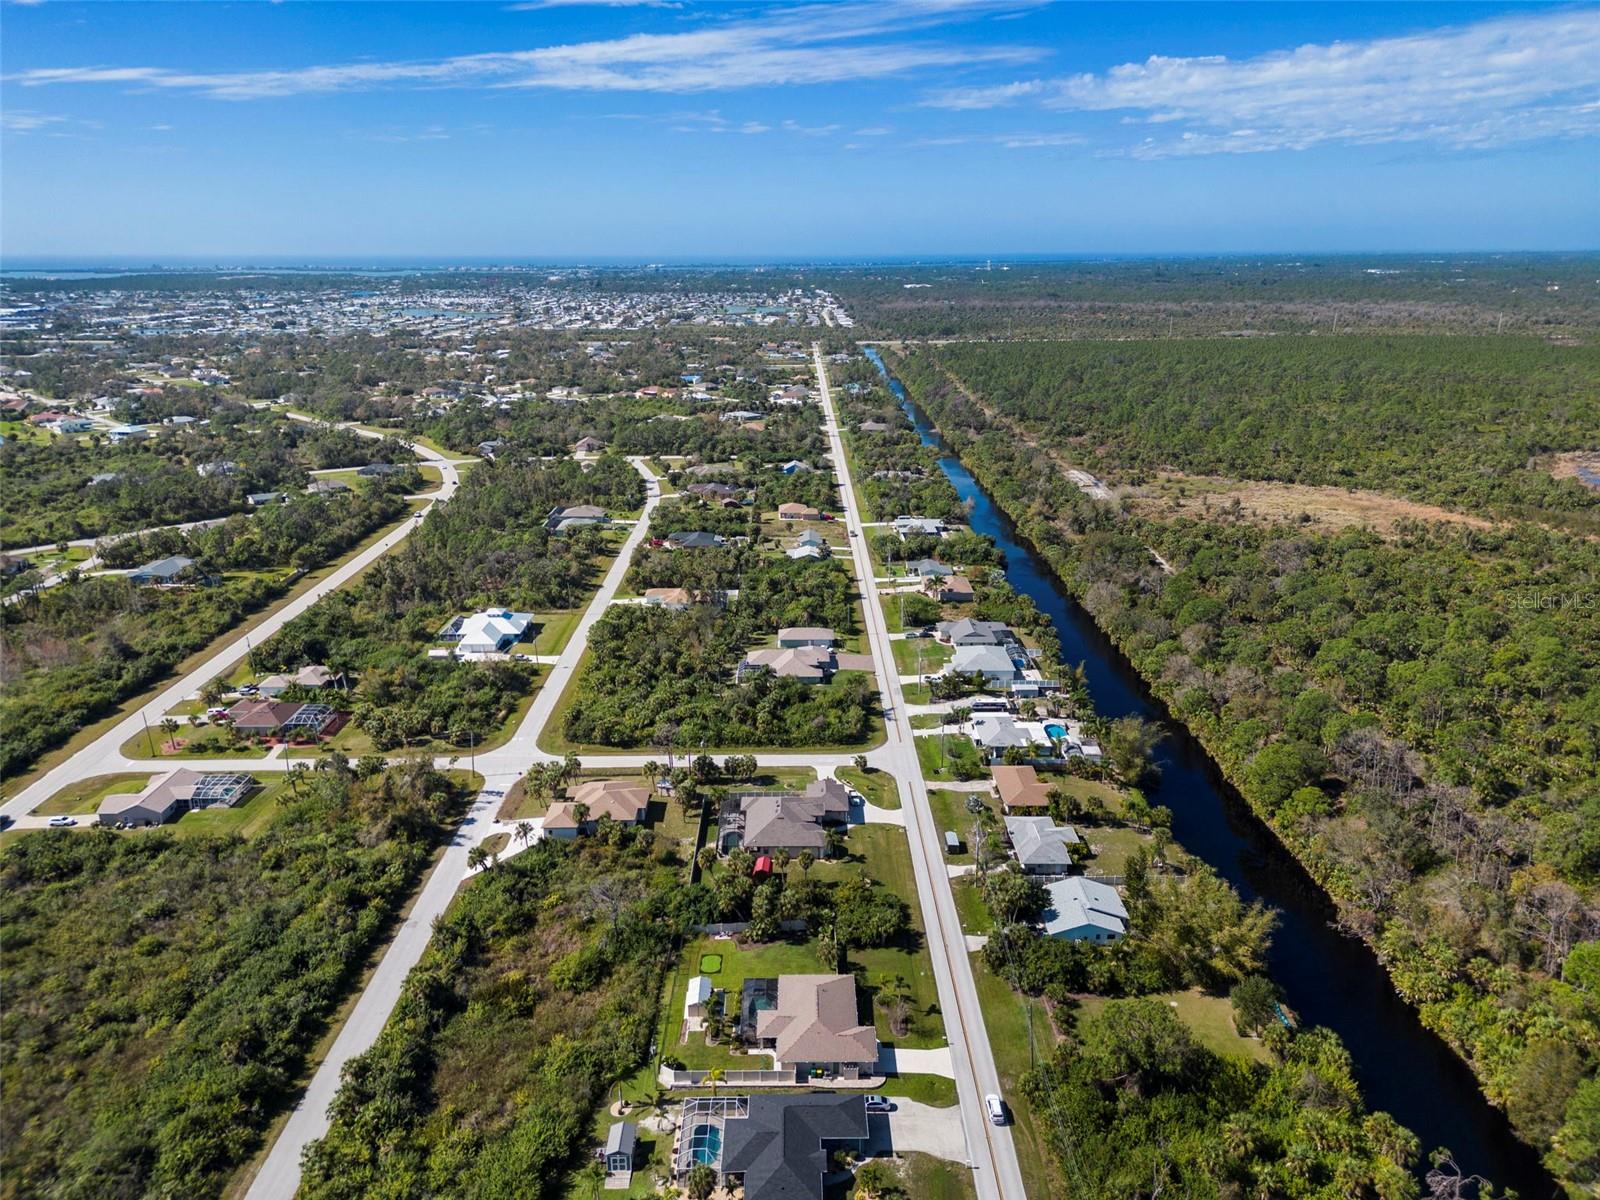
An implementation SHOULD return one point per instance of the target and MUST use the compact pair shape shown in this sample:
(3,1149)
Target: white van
(996,1109)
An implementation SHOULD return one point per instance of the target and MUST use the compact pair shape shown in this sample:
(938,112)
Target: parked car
(62,822)
(879,1104)
(856,797)
(996,1109)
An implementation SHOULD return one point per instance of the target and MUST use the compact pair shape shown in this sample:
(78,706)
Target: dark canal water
(1328,979)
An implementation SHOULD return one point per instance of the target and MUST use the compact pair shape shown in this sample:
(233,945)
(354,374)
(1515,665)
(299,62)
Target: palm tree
(524,833)
(476,857)
(594,1174)
(713,1077)
(170,727)
(807,860)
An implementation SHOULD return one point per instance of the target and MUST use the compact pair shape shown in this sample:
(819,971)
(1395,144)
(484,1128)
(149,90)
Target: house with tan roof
(1020,789)
(794,511)
(676,598)
(815,1026)
(625,801)
(763,822)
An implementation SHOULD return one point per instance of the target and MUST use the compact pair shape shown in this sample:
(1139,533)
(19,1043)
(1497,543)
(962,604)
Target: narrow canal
(1329,979)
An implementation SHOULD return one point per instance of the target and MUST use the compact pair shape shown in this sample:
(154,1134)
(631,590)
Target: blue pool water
(1056,731)
(705,1144)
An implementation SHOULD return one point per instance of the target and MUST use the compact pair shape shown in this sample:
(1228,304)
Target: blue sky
(897,127)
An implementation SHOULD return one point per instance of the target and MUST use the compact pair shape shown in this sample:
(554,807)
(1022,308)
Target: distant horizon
(19,264)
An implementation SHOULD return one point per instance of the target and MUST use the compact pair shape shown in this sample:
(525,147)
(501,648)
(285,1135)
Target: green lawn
(917,693)
(1209,1018)
(973,911)
(879,787)
(935,655)
(925,1177)
(950,812)
(208,741)
(85,795)
(926,720)
(1112,847)
(246,820)
(555,631)
(935,1090)
(941,758)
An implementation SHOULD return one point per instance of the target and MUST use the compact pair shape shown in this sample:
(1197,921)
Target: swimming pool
(705,1144)
(1056,731)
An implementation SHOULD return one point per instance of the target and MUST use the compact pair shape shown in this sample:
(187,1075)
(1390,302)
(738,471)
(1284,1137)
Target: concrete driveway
(918,1127)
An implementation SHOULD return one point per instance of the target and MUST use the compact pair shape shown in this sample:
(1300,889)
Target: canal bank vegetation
(163,989)
(1415,716)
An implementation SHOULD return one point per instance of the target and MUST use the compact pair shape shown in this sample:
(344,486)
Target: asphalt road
(991,1148)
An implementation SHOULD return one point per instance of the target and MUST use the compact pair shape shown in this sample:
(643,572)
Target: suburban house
(873,427)
(806,635)
(928,568)
(260,717)
(309,677)
(794,467)
(763,822)
(995,733)
(161,571)
(810,544)
(969,632)
(374,470)
(805,654)
(1085,910)
(774,1147)
(815,1028)
(955,589)
(625,801)
(795,511)
(992,662)
(906,526)
(588,445)
(174,794)
(675,598)
(576,516)
(327,487)
(208,469)
(1042,847)
(697,539)
(491,631)
(1020,789)
(256,499)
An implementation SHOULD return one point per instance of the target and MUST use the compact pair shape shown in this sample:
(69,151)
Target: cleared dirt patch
(1177,494)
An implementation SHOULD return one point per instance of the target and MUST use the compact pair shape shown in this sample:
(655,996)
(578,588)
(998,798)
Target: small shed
(620,1143)
(762,867)
(694,1004)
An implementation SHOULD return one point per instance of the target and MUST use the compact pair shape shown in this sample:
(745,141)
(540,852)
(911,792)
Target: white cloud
(1023,140)
(24,120)
(21,120)
(993,96)
(1510,79)
(806,44)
